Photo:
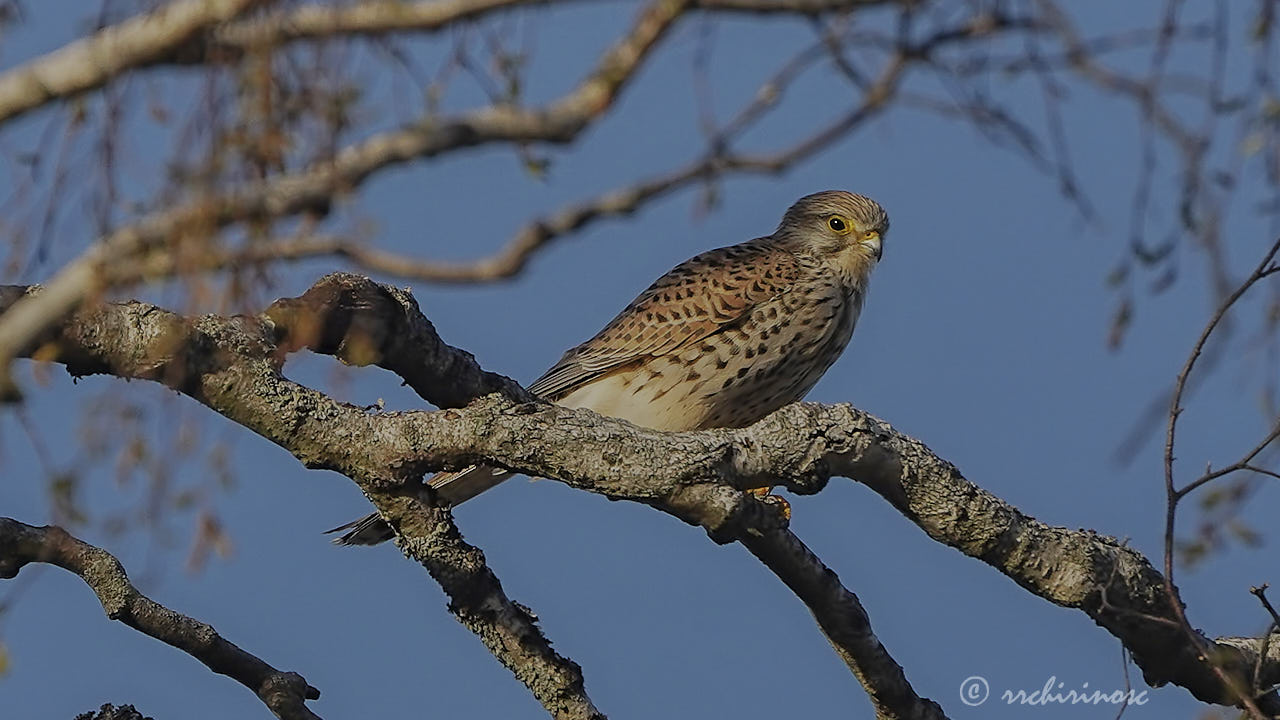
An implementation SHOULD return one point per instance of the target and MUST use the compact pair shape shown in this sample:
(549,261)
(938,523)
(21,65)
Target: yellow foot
(762,494)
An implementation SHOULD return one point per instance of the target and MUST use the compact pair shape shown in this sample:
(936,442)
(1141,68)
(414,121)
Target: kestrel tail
(721,340)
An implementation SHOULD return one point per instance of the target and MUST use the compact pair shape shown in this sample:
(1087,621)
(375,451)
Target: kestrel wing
(696,299)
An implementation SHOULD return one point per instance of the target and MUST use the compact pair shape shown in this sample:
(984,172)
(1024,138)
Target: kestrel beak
(872,243)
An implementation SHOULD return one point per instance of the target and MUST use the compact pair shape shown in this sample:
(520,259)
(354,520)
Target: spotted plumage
(721,340)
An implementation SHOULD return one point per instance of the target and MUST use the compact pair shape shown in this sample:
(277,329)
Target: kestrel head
(836,224)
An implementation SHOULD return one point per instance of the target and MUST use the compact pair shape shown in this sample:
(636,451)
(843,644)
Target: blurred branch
(369,17)
(92,62)
(1203,190)
(315,189)
(1083,61)
(719,160)
(512,258)
(187,31)
(231,365)
(377,17)
(284,693)
(163,263)
(792,7)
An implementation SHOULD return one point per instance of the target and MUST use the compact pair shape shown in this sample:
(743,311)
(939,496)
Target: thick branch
(729,515)
(111,712)
(231,365)
(333,318)
(327,319)
(428,535)
(845,623)
(798,447)
(358,321)
(284,693)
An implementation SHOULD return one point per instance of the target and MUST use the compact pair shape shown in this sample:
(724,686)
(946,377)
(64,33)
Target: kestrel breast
(771,357)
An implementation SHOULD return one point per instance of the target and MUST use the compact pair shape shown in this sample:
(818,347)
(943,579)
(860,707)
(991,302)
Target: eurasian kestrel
(720,341)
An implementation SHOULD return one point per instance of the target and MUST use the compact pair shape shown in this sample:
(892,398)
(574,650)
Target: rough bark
(232,365)
(284,693)
(112,712)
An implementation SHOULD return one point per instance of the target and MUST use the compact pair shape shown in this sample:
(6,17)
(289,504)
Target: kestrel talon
(721,340)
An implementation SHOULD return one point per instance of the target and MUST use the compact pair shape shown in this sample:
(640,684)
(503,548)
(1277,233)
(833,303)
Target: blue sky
(984,336)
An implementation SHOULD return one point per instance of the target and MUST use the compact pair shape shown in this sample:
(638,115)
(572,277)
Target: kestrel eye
(837,224)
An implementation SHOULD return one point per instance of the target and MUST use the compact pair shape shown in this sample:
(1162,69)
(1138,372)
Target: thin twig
(1172,493)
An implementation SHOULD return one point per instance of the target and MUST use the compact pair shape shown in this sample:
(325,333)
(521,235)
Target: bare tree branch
(233,365)
(116,258)
(374,17)
(111,712)
(284,693)
(93,61)
(230,364)
(315,189)
(1174,494)
(332,318)
(801,7)
(379,17)
(363,323)
(843,620)
(167,348)
(428,535)
(244,385)
(720,160)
